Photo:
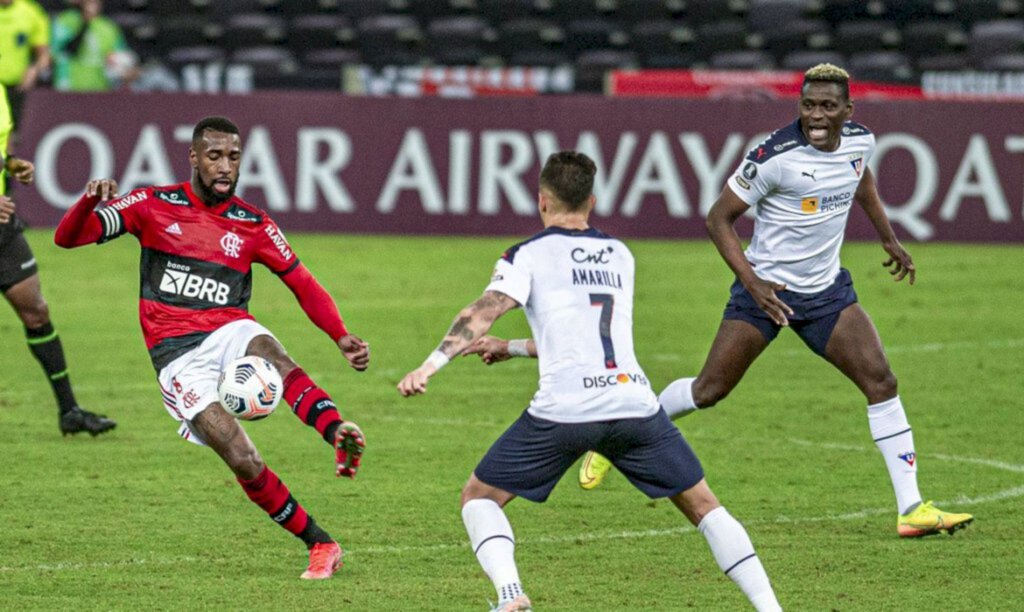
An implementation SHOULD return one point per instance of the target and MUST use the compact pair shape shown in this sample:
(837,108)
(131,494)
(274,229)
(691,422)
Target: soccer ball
(250,388)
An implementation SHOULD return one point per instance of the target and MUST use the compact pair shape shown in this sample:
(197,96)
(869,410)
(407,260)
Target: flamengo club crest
(230,242)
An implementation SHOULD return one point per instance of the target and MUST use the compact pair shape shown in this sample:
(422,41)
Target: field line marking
(1011,493)
(999,465)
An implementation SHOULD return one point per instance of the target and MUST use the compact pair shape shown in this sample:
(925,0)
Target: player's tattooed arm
(474,321)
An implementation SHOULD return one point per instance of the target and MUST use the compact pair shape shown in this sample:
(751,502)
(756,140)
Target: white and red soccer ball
(250,388)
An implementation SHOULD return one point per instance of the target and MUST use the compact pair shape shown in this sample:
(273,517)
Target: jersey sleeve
(273,250)
(126,214)
(40,35)
(512,276)
(753,181)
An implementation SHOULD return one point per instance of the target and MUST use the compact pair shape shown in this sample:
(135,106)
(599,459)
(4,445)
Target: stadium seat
(201,54)
(661,37)
(529,34)
(115,6)
(1006,62)
(500,11)
(294,8)
(539,57)
(273,67)
(313,31)
(972,11)
(725,35)
(592,66)
(931,37)
(796,35)
(888,66)
(670,60)
(866,35)
(802,60)
(185,32)
(765,15)
(747,59)
(359,9)
(990,38)
(567,11)
(390,39)
(330,58)
(176,7)
(594,33)
(709,11)
(842,11)
(944,61)
(248,29)
(459,41)
(635,11)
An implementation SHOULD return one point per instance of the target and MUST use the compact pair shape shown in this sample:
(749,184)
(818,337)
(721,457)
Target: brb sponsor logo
(613,380)
(178,281)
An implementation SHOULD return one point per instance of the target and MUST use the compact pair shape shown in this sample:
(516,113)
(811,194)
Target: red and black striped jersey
(196,262)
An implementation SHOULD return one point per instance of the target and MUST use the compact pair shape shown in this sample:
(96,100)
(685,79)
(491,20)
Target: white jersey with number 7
(576,287)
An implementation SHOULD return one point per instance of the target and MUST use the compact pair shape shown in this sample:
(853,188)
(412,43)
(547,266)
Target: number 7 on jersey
(607,303)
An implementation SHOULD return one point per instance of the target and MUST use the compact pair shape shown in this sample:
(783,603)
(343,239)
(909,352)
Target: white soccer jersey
(802,198)
(576,287)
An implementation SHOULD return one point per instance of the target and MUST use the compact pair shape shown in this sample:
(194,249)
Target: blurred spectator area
(305,42)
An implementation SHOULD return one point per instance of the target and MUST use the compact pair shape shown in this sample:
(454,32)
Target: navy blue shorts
(814,314)
(533,454)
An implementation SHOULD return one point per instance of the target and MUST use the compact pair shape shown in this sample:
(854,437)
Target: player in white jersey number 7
(802,182)
(576,285)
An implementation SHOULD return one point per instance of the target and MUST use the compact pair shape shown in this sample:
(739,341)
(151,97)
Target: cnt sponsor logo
(602,256)
(613,380)
(910,457)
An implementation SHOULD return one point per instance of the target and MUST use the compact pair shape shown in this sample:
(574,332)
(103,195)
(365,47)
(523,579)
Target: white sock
(490,534)
(677,398)
(892,435)
(735,554)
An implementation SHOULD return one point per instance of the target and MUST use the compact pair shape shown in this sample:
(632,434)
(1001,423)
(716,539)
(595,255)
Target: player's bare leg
(729,542)
(225,436)
(856,350)
(313,406)
(26,298)
(490,535)
(737,344)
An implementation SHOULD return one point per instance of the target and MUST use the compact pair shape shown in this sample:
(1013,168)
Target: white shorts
(189,383)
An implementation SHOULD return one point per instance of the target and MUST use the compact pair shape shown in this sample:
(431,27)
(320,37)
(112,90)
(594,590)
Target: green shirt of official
(84,69)
(6,126)
(24,25)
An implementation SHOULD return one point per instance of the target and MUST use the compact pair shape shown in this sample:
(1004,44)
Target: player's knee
(35,314)
(707,391)
(883,385)
(245,462)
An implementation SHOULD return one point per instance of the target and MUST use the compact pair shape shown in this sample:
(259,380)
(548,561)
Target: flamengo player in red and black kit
(199,242)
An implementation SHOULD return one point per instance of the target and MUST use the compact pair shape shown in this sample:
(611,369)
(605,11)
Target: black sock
(331,431)
(45,345)
(313,534)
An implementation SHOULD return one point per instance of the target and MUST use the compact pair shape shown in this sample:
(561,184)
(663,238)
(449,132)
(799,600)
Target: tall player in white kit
(802,183)
(576,286)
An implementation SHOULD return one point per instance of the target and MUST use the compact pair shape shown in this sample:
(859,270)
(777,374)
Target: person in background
(89,50)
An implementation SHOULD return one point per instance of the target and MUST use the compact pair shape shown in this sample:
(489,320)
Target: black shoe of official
(77,420)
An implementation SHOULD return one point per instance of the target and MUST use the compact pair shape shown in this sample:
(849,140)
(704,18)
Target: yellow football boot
(593,470)
(926,519)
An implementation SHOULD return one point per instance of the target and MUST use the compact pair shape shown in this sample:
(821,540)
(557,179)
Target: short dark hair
(828,73)
(569,176)
(215,124)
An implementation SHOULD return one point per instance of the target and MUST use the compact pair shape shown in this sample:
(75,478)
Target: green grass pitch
(141,520)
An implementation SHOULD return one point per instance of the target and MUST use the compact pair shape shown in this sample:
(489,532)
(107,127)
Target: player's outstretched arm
(7,208)
(79,226)
(720,222)
(493,350)
(899,263)
(472,323)
(321,309)
(22,170)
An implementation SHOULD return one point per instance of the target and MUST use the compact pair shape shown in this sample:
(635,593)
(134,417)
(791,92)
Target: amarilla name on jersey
(576,287)
(196,262)
(802,198)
